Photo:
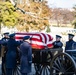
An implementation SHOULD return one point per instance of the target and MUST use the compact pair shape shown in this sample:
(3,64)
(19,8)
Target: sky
(61,3)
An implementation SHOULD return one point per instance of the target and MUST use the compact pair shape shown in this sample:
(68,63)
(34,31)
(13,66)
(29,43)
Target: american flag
(38,40)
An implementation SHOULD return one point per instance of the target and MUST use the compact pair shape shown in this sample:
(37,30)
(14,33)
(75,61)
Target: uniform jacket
(11,53)
(58,44)
(26,57)
(69,45)
(5,39)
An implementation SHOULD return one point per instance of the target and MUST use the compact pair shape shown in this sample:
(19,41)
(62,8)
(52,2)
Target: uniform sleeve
(58,44)
(30,55)
(4,43)
(53,43)
(74,45)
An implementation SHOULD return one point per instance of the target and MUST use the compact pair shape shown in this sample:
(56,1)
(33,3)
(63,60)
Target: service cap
(12,35)
(58,36)
(26,37)
(71,35)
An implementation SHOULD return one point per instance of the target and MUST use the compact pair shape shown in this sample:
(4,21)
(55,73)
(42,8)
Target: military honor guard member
(70,42)
(11,55)
(4,41)
(58,43)
(26,56)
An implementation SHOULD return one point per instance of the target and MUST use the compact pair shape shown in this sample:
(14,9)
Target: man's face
(6,35)
(58,39)
(70,37)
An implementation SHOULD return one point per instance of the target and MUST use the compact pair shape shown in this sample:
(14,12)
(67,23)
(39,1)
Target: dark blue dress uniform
(4,41)
(26,57)
(58,44)
(69,44)
(11,55)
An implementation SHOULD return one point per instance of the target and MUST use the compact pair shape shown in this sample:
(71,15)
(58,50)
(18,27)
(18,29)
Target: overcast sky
(62,3)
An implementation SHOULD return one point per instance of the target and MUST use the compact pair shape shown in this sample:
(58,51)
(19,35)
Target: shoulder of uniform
(74,41)
(67,41)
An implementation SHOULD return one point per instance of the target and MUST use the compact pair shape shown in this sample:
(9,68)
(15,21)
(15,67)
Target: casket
(38,40)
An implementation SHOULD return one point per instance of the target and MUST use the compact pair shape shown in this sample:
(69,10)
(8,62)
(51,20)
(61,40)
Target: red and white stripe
(38,40)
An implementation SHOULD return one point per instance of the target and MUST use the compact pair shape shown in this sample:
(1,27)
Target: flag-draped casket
(38,40)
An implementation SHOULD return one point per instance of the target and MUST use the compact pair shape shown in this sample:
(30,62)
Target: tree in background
(8,15)
(34,15)
(25,15)
(29,15)
(62,16)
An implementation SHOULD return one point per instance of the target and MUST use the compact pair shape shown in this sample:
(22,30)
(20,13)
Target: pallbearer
(11,54)
(4,41)
(58,43)
(70,42)
(26,56)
